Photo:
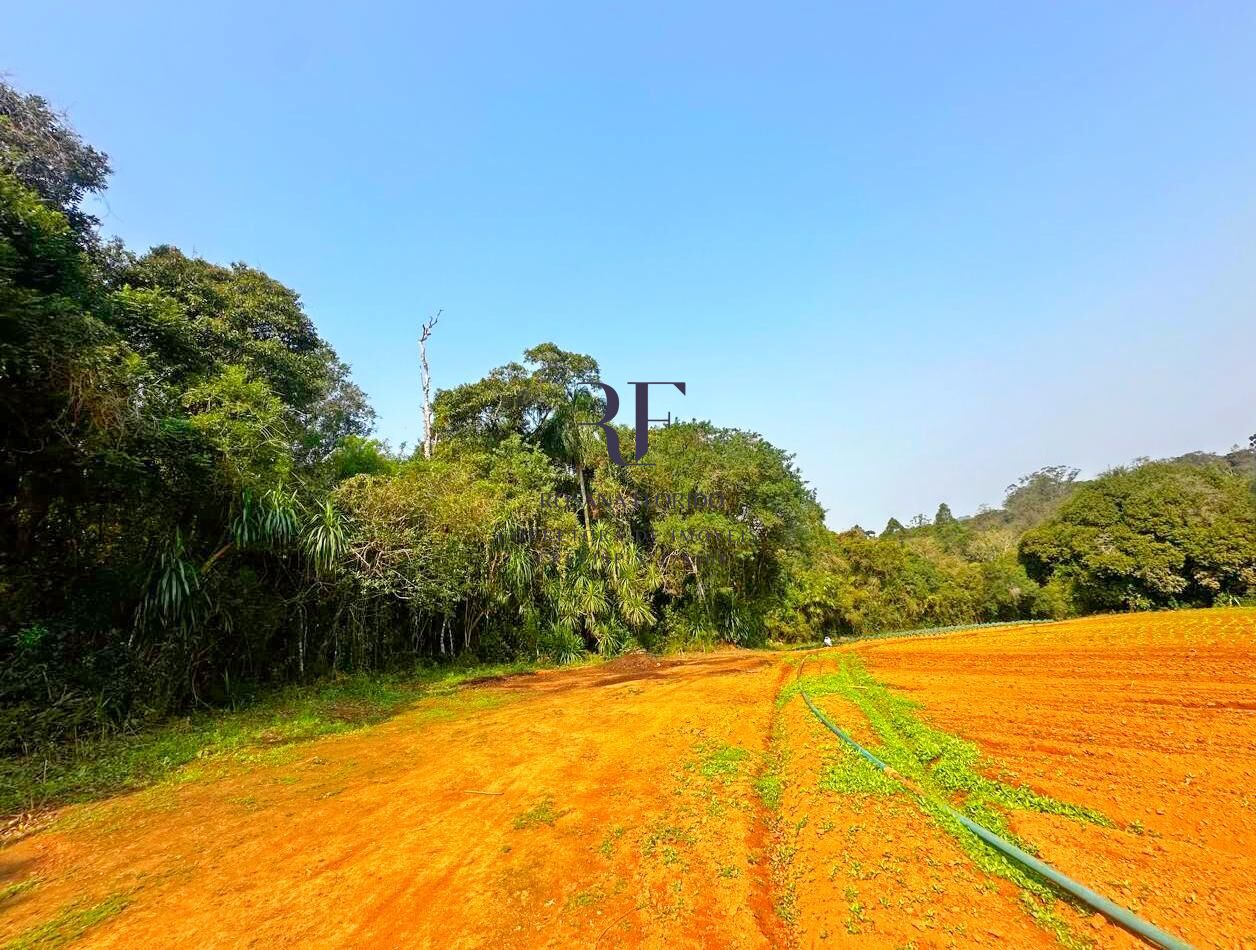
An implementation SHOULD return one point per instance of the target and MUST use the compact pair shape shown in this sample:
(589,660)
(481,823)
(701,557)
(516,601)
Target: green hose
(1114,912)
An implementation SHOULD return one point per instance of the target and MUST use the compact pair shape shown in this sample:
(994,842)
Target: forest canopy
(191,500)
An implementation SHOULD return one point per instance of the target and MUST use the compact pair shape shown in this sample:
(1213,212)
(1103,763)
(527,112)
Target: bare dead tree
(429,436)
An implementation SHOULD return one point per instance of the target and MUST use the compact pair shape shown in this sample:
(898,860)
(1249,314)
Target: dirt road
(675,802)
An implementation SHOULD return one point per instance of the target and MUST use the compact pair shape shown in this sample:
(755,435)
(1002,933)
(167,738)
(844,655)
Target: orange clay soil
(873,869)
(621,805)
(1149,719)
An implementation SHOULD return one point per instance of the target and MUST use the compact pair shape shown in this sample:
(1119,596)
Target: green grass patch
(69,925)
(257,732)
(849,773)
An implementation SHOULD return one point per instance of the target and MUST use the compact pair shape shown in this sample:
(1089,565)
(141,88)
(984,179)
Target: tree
(1156,535)
(1031,498)
(210,315)
(515,399)
(168,425)
(543,402)
(429,433)
(42,152)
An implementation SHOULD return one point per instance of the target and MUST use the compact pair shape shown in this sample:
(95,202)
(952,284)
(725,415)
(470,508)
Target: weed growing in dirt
(582,899)
(542,813)
(259,731)
(770,786)
(723,762)
(607,847)
(664,838)
(71,923)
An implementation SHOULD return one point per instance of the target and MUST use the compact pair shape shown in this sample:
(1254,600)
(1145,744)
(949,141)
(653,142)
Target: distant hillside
(1032,498)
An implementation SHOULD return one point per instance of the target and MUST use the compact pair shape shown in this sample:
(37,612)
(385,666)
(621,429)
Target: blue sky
(927,248)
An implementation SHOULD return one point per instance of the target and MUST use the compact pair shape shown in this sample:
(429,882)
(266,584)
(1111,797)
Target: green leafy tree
(1155,535)
(40,151)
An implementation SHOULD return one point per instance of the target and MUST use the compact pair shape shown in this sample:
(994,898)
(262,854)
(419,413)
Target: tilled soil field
(1149,719)
(696,801)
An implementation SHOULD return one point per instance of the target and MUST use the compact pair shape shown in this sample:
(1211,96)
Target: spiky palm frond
(175,592)
(326,539)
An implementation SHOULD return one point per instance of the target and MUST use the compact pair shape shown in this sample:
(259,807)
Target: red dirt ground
(616,805)
(1147,718)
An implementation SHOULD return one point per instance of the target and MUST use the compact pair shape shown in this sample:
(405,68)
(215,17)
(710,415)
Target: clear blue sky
(926,247)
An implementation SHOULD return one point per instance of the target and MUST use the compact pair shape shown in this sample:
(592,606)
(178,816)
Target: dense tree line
(190,500)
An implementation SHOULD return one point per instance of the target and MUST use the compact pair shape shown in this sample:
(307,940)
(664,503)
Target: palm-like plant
(174,591)
(568,437)
(325,539)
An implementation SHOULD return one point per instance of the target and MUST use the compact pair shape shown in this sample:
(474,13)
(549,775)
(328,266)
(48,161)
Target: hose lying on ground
(1114,912)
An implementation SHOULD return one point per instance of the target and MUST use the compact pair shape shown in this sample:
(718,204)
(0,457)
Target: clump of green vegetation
(93,769)
(847,773)
(770,787)
(943,766)
(542,813)
(943,770)
(70,924)
(607,847)
(723,762)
